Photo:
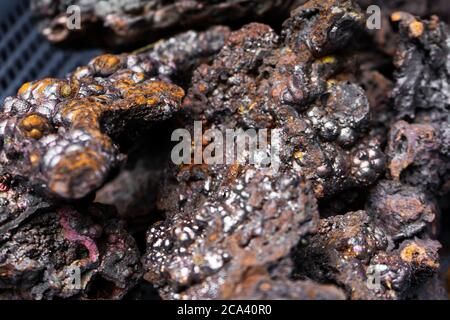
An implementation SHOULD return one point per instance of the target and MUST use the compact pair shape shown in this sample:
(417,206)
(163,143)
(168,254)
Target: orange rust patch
(265,287)
(24,88)
(416,28)
(298,155)
(406,207)
(202,88)
(319,191)
(396,16)
(411,252)
(198,259)
(34,126)
(81,162)
(108,62)
(414,253)
(155,88)
(34,159)
(35,134)
(33,121)
(213,237)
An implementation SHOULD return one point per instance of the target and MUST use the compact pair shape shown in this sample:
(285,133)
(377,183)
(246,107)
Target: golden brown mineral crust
(42,256)
(66,147)
(128,22)
(244,232)
(359,256)
(63,133)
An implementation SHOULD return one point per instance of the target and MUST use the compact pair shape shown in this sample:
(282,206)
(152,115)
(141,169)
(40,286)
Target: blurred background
(26,55)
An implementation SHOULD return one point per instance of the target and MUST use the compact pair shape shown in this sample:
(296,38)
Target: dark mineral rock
(385,39)
(58,139)
(17,202)
(422,8)
(401,210)
(258,80)
(132,21)
(423,69)
(63,133)
(238,240)
(418,151)
(62,253)
(414,155)
(93,205)
(356,253)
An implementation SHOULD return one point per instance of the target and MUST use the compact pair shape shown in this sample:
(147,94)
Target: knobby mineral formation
(237,243)
(62,134)
(296,83)
(353,211)
(353,251)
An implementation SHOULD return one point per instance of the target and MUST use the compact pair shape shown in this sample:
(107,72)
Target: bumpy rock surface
(137,20)
(354,252)
(236,244)
(352,204)
(63,134)
(293,83)
(62,253)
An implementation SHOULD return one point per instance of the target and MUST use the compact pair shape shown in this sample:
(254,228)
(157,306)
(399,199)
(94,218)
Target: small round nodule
(346,137)
(34,126)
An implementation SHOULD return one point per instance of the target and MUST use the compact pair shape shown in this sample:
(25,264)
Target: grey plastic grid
(25,55)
